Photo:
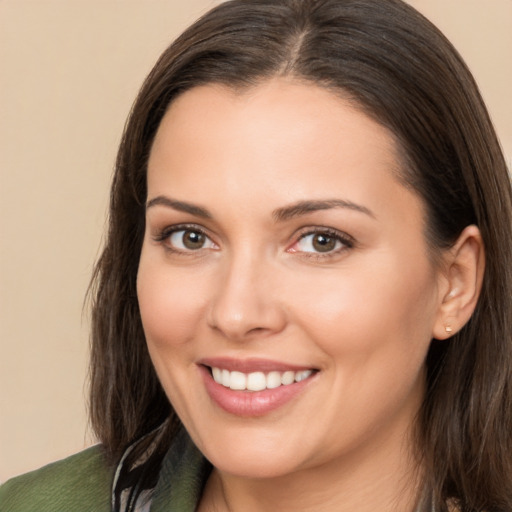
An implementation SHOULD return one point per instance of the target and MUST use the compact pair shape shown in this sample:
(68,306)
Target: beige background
(69,70)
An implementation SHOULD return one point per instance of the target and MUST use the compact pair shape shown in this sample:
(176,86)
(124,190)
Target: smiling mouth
(257,381)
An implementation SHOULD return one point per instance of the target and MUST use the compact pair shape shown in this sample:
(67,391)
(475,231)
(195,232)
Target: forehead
(246,154)
(288,100)
(268,128)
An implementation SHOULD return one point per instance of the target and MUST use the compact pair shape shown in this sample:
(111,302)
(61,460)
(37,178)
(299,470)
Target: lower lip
(251,403)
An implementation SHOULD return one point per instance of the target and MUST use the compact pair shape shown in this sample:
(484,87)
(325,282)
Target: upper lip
(251,365)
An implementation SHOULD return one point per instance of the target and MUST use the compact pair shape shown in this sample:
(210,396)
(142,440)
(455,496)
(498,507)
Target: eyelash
(346,240)
(163,237)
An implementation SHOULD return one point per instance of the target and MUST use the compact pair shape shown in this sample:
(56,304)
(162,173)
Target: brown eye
(323,242)
(189,240)
(193,240)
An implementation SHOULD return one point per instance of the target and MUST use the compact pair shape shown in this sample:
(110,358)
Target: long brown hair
(399,69)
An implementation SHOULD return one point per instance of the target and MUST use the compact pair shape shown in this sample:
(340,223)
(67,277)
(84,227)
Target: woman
(304,297)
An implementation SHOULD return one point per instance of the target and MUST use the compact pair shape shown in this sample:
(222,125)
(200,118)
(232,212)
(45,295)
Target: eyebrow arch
(181,206)
(305,207)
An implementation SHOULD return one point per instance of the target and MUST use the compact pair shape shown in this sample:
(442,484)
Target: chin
(261,455)
(256,467)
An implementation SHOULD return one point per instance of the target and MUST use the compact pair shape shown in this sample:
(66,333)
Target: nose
(246,303)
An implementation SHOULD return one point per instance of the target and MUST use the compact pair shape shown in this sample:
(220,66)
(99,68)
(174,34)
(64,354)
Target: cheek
(375,332)
(388,308)
(171,304)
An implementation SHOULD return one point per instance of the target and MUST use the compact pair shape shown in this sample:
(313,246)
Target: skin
(363,314)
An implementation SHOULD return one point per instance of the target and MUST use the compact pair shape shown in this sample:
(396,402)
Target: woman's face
(280,246)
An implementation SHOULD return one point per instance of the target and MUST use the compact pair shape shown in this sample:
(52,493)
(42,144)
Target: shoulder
(79,483)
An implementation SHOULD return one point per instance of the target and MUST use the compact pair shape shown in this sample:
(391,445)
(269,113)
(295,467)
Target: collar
(182,474)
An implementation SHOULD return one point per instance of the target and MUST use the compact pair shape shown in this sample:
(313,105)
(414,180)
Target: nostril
(255,330)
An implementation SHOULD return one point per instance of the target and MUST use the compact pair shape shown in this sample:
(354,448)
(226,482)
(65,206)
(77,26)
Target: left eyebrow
(304,207)
(181,206)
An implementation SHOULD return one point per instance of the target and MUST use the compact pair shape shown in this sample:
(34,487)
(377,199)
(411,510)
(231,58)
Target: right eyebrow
(180,206)
(304,207)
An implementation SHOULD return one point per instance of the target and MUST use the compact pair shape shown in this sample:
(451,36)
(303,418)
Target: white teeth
(238,380)
(287,378)
(257,381)
(217,375)
(273,380)
(302,375)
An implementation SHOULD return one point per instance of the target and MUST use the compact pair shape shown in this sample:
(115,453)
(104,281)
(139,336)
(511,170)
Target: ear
(464,266)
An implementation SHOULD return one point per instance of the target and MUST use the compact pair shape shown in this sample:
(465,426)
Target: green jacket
(83,483)
(79,483)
